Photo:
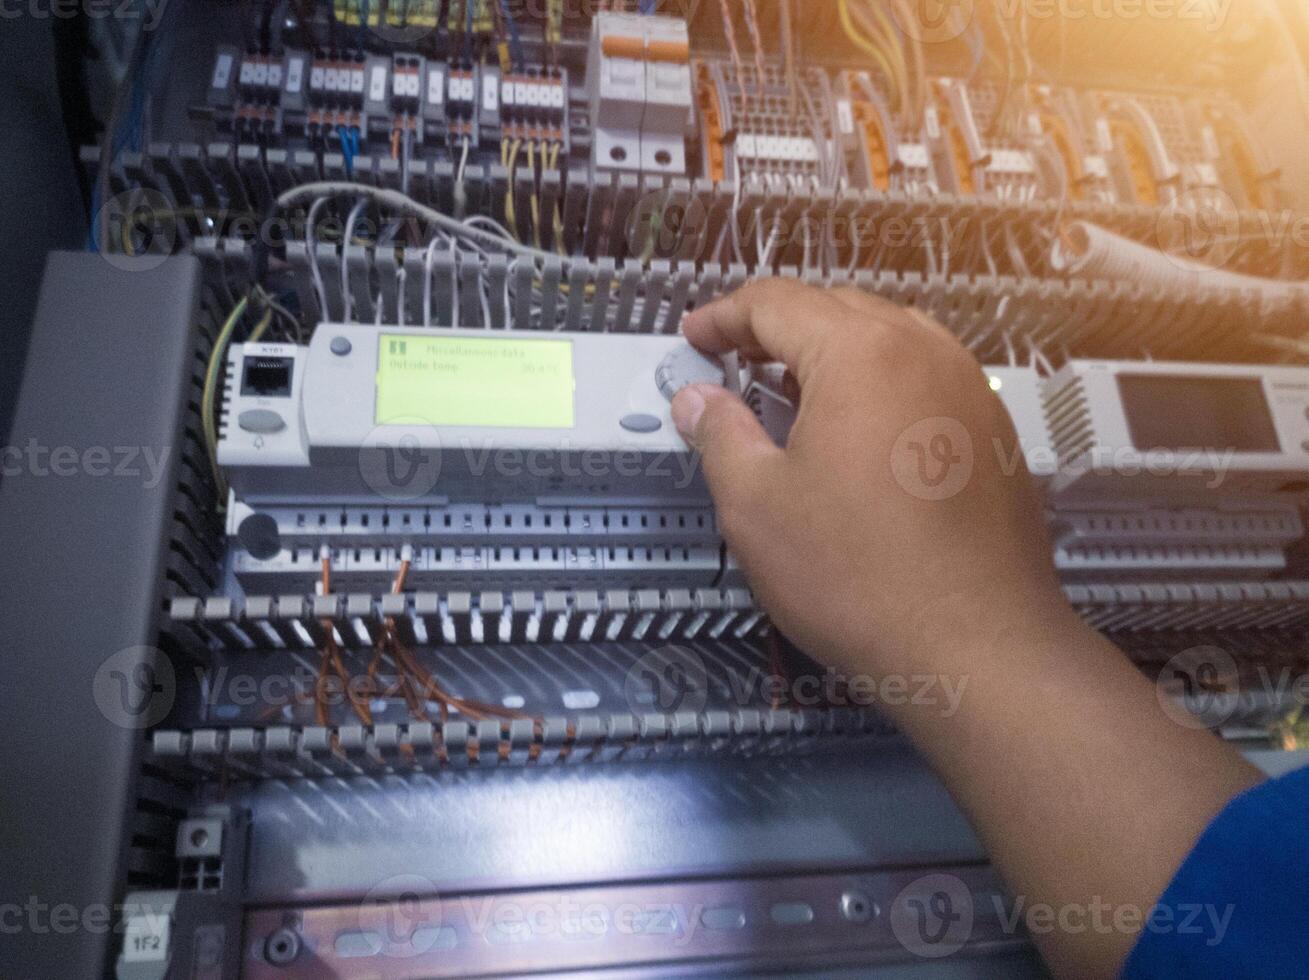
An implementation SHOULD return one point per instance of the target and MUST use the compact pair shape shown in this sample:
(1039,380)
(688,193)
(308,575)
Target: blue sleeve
(1238,906)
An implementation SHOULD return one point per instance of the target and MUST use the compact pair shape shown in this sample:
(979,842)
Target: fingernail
(688,406)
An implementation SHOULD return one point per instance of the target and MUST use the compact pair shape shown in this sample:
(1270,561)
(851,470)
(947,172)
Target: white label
(914,156)
(1105,135)
(332,79)
(490,93)
(933,123)
(557,96)
(145,939)
(845,117)
(377,84)
(435,87)
(507,92)
(1011,162)
(317,78)
(246,75)
(357,81)
(222,71)
(261,73)
(295,75)
(1210,143)
(275,75)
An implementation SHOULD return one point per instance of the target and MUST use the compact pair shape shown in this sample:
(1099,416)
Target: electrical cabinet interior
(428,503)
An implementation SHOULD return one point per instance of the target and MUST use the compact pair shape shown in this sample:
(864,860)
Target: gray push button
(687,366)
(340,346)
(638,422)
(261,420)
(792,913)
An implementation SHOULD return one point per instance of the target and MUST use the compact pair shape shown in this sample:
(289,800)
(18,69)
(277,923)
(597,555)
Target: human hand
(888,529)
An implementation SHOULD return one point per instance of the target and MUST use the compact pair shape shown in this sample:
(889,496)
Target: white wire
(311,243)
(400,276)
(396,201)
(347,301)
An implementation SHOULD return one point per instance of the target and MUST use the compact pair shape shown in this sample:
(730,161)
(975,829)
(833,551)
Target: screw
(282,946)
(858,907)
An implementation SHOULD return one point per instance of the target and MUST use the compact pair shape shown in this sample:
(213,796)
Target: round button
(687,366)
(261,420)
(639,422)
(341,346)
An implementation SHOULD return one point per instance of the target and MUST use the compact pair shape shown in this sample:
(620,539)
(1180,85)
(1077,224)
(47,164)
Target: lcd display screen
(473,381)
(1222,414)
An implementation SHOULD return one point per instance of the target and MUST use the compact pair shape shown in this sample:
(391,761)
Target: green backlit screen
(475,381)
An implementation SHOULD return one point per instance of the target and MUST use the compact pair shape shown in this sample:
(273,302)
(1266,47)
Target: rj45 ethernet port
(267,377)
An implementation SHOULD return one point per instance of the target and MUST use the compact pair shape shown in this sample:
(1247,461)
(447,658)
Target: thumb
(736,452)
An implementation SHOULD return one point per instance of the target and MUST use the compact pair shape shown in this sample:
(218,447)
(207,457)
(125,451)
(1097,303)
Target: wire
(533,197)
(261,327)
(396,201)
(847,25)
(311,249)
(347,239)
(511,207)
(269,301)
(517,40)
(212,370)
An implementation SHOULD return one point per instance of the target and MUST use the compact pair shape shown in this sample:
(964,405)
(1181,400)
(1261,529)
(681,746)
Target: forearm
(1082,790)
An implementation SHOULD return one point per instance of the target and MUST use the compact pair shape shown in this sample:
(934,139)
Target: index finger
(769,320)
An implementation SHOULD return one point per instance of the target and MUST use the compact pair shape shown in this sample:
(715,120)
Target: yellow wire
(536,204)
(886,34)
(261,327)
(558,211)
(843,8)
(511,213)
(211,383)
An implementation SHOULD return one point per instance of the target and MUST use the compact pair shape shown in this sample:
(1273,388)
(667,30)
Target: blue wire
(347,151)
(515,39)
(649,6)
(468,29)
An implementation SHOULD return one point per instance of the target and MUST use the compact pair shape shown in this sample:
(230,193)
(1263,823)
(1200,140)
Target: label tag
(933,123)
(145,938)
(222,71)
(377,84)
(1105,135)
(845,117)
